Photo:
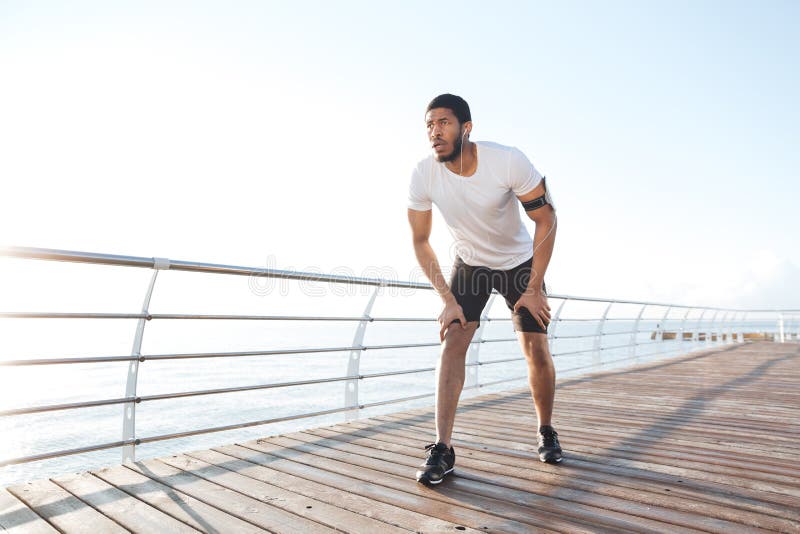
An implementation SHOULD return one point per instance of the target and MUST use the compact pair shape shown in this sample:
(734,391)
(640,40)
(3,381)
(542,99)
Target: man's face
(444,133)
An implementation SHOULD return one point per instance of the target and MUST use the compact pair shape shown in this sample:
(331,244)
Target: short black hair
(454,103)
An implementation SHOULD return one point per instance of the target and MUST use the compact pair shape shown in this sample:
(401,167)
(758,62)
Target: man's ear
(467,128)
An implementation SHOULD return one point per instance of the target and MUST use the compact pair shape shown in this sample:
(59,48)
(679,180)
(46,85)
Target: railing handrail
(705,328)
(194,266)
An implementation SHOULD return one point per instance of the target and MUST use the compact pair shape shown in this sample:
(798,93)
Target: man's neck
(466,162)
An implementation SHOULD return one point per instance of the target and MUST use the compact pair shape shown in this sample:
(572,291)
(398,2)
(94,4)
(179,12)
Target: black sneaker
(549,448)
(441,461)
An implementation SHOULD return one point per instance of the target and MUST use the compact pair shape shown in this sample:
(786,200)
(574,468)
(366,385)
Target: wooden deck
(707,442)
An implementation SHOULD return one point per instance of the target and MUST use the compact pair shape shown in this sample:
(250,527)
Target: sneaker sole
(434,482)
(556,461)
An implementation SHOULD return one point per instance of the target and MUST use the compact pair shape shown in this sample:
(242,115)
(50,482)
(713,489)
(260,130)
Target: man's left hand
(536,302)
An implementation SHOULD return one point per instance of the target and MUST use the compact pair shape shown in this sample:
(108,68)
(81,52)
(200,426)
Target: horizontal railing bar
(403,319)
(224,317)
(392,401)
(576,336)
(260,317)
(643,331)
(186,316)
(504,360)
(71,315)
(676,320)
(186,356)
(261,352)
(289,351)
(183,394)
(621,346)
(69,406)
(607,319)
(404,345)
(193,266)
(484,384)
(59,361)
(393,373)
(570,353)
(300,318)
(66,452)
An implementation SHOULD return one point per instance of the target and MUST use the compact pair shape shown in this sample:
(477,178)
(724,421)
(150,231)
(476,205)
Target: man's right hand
(452,311)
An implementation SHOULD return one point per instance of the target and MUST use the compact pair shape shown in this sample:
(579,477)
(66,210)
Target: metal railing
(724,326)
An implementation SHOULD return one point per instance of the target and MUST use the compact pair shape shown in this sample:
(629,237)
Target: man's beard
(454,154)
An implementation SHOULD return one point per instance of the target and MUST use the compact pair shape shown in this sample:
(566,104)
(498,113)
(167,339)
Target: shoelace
(434,455)
(432,450)
(549,439)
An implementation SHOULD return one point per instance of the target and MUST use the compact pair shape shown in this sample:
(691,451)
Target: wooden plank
(603,404)
(528,487)
(483,494)
(696,469)
(257,512)
(333,494)
(625,448)
(567,477)
(175,503)
(319,511)
(131,513)
(777,503)
(17,518)
(778,493)
(578,468)
(63,510)
(452,506)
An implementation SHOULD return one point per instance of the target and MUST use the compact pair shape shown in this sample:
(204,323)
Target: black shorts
(472,286)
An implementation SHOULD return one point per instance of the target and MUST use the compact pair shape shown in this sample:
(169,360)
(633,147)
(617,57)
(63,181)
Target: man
(474,185)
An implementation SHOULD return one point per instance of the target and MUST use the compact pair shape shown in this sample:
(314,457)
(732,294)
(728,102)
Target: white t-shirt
(481,211)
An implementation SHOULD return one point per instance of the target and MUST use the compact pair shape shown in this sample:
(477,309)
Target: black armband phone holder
(537,203)
(534,204)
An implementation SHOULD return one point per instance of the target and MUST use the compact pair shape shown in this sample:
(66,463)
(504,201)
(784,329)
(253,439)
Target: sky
(283,134)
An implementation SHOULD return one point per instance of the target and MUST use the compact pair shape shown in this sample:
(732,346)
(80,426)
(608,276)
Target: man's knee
(536,348)
(457,339)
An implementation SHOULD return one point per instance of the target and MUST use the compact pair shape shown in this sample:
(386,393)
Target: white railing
(677,329)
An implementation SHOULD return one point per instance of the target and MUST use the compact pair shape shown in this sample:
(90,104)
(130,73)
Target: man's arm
(421,222)
(544,218)
(544,237)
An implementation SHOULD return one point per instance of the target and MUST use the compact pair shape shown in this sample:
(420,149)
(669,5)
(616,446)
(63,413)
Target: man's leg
(450,377)
(542,381)
(449,382)
(541,373)
(470,287)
